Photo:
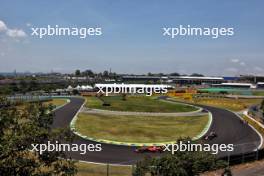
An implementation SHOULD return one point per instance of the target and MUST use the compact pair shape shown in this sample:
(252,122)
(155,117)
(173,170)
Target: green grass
(258,93)
(231,104)
(57,102)
(85,169)
(139,104)
(228,103)
(147,129)
(254,124)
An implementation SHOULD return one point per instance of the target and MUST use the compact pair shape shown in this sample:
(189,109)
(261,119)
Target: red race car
(152,149)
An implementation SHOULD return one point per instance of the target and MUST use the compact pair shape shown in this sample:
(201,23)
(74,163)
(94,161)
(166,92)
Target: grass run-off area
(258,93)
(56,102)
(137,103)
(226,103)
(229,103)
(90,169)
(139,129)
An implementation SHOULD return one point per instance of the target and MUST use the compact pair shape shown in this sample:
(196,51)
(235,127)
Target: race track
(226,124)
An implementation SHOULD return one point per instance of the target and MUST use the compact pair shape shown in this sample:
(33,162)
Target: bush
(181,164)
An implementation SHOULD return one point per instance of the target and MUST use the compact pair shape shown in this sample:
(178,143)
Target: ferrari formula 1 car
(211,136)
(151,149)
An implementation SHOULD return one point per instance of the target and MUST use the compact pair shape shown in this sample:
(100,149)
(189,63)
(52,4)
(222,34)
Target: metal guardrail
(125,170)
(244,157)
(28,98)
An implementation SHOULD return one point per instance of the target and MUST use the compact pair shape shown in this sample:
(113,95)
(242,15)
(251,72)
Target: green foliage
(262,105)
(197,75)
(75,92)
(27,86)
(88,73)
(227,172)
(21,127)
(77,73)
(174,74)
(105,74)
(180,164)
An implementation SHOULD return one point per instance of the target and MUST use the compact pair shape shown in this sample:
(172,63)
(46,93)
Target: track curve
(226,124)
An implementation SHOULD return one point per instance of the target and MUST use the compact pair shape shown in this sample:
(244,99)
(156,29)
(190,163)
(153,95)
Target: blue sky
(132,40)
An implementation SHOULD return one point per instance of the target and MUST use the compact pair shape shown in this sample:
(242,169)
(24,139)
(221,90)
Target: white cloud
(2,26)
(258,69)
(16,33)
(28,24)
(234,60)
(238,62)
(13,33)
(242,63)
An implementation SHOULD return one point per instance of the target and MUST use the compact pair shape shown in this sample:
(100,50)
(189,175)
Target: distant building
(140,78)
(192,80)
(235,85)
(251,78)
(260,85)
(181,80)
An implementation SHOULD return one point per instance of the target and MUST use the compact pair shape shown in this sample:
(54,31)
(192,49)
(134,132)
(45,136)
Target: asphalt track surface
(227,126)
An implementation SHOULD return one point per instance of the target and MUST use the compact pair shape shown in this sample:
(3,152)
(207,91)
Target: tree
(182,163)
(88,73)
(33,85)
(23,86)
(262,105)
(19,129)
(77,73)
(75,92)
(2,77)
(142,167)
(113,75)
(14,87)
(227,172)
(5,90)
(175,74)
(150,74)
(106,74)
(197,75)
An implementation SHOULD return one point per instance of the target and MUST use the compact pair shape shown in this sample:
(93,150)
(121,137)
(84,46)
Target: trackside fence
(127,170)
(105,169)
(28,98)
(244,157)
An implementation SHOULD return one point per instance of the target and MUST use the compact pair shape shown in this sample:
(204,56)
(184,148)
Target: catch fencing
(231,158)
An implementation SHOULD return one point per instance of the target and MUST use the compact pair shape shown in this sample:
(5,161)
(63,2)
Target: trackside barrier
(244,157)
(28,98)
(127,170)
(87,168)
(257,125)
